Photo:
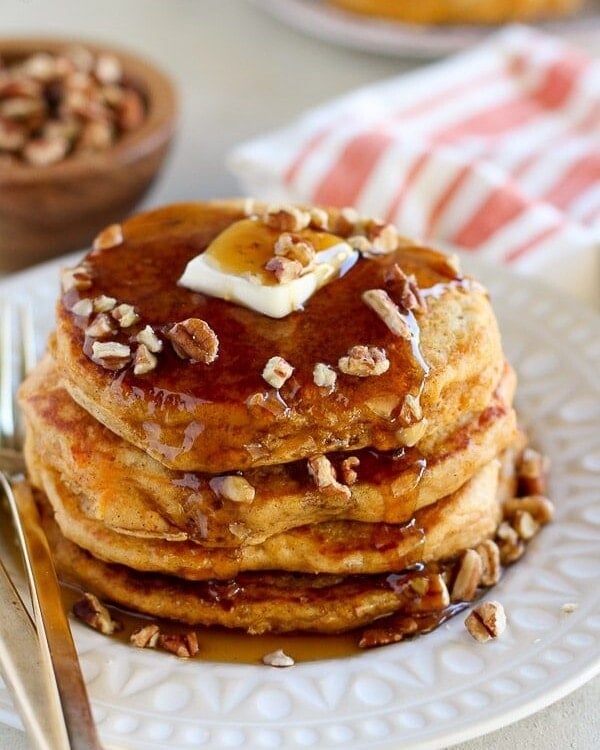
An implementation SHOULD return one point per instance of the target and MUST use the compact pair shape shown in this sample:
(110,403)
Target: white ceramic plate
(437,690)
(318,19)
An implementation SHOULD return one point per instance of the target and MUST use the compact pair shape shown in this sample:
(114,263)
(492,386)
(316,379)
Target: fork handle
(56,641)
(21,668)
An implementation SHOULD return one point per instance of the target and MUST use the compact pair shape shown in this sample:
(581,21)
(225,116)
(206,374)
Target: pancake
(222,416)
(342,462)
(459,11)
(437,532)
(127,490)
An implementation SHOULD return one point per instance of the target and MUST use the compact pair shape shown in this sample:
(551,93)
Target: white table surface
(239,74)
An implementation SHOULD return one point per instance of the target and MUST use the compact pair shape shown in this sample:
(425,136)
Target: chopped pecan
(409,436)
(284,269)
(144,361)
(90,610)
(382,305)
(233,487)
(75,278)
(525,525)
(361,244)
(104,303)
(108,69)
(324,376)
(277,371)
(468,577)
(125,315)
(44,151)
(96,135)
(532,471)
(510,545)
(539,507)
(490,558)
(148,337)
(347,222)
(295,247)
(111,355)
(405,289)
(323,473)
(83,308)
(348,468)
(364,361)
(145,637)
(383,237)
(278,659)
(411,410)
(112,236)
(194,339)
(100,327)
(319,219)
(486,621)
(183,645)
(286,217)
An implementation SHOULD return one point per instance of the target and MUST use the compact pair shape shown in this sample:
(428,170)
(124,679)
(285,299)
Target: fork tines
(17,357)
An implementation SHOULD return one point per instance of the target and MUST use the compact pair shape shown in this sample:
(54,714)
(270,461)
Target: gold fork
(39,661)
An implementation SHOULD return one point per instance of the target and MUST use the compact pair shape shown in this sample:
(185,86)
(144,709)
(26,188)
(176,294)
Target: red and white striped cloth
(496,150)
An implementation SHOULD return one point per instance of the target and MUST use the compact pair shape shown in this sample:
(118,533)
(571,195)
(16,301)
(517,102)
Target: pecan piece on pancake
(323,473)
(532,473)
(294,247)
(110,354)
(100,327)
(284,269)
(385,308)
(364,361)
(234,488)
(277,371)
(125,315)
(405,289)
(148,337)
(324,376)
(144,361)
(486,621)
(285,217)
(348,469)
(194,339)
(75,278)
(111,236)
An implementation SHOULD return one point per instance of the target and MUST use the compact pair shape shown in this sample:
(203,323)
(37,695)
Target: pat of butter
(233,268)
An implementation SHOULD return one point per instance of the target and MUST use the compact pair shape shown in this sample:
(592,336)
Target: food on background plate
(459,11)
(54,105)
(279,419)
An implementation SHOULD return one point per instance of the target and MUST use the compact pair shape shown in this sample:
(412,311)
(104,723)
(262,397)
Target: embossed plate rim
(143,699)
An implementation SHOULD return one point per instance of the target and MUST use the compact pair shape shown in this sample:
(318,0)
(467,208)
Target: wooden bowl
(46,211)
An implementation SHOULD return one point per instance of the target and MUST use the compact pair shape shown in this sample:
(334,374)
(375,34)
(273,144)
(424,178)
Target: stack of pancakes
(198,491)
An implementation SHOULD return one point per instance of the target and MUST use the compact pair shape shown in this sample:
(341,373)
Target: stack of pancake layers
(200,492)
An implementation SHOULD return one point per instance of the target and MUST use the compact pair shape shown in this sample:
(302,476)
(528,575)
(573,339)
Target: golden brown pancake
(126,489)
(204,417)
(437,532)
(459,11)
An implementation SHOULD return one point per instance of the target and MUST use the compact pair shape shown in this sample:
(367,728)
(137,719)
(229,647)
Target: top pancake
(195,416)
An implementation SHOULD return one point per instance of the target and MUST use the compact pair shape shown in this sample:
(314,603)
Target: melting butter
(233,268)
